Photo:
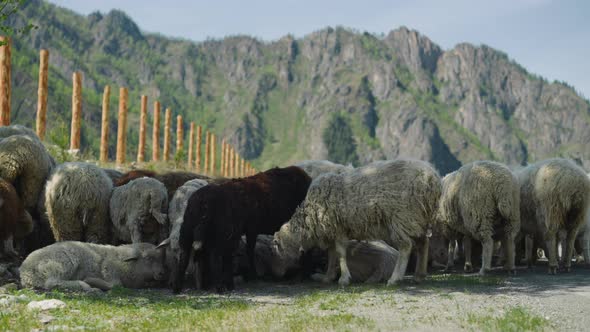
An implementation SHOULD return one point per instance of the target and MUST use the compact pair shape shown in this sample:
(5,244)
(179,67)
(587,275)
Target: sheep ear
(164,243)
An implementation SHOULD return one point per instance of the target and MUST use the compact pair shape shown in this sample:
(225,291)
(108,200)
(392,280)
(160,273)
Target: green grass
(514,320)
(129,310)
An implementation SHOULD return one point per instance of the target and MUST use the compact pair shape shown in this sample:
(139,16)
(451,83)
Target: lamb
(25,163)
(14,219)
(394,201)
(218,214)
(481,200)
(554,197)
(77,202)
(315,168)
(79,266)
(138,211)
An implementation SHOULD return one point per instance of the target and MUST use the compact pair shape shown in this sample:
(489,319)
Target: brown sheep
(14,219)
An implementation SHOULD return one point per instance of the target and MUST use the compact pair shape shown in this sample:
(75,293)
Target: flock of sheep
(82,227)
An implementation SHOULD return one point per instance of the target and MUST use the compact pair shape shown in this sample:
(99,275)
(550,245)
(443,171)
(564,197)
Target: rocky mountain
(335,93)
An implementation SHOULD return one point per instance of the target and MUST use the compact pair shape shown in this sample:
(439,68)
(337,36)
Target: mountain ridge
(292,98)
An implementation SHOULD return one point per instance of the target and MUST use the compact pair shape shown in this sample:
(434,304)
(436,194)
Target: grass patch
(513,320)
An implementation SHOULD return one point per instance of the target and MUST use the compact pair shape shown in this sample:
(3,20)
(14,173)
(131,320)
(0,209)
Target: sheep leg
(451,255)
(8,249)
(344,272)
(216,270)
(227,270)
(331,271)
(422,260)
(571,241)
(468,268)
(528,251)
(180,269)
(97,231)
(71,285)
(401,265)
(586,246)
(486,256)
(99,283)
(509,253)
(551,245)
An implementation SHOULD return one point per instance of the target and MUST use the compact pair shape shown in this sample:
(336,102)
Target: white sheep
(82,266)
(138,211)
(176,210)
(481,200)
(77,203)
(394,201)
(25,163)
(554,197)
(315,168)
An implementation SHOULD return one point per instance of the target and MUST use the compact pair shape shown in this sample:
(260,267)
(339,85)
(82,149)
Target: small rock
(9,287)
(46,305)
(45,319)
(8,300)
(23,298)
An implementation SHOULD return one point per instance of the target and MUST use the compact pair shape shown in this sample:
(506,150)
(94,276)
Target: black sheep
(217,216)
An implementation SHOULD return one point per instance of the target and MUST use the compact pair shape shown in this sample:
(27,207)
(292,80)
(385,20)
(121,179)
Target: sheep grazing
(394,201)
(315,168)
(176,210)
(77,202)
(138,211)
(14,219)
(82,266)
(554,197)
(481,201)
(218,214)
(25,163)
(172,180)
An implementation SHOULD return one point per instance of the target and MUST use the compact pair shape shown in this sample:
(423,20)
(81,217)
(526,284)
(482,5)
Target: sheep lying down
(80,266)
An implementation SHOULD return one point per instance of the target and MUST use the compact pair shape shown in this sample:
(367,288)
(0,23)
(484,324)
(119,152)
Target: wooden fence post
(207,152)
(122,127)
(222,157)
(198,150)
(167,123)
(142,128)
(242,173)
(156,132)
(179,134)
(191,145)
(42,93)
(104,131)
(212,167)
(231,162)
(5,82)
(76,112)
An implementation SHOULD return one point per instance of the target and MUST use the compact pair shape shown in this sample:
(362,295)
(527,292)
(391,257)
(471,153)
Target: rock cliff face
(397,95)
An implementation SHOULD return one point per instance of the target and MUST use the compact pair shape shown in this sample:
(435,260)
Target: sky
(550,38)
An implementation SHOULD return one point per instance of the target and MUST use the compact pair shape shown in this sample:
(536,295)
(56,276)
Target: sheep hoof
(344,281)
(511,272)
(418,278)
(567,269)
(483,272)
(468,268)
(553,270)
(393,282)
